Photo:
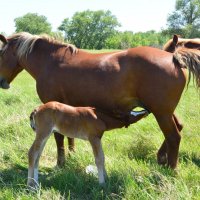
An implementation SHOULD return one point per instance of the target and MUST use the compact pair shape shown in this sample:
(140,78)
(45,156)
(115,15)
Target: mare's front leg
(61,148)
(99,158)
(71,145)
(172,138)
(162,152)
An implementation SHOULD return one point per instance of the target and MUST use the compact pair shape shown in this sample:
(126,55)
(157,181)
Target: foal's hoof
(102,185)
(162,159)
(33,186)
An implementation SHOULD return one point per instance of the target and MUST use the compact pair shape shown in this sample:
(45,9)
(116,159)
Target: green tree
(89,29)
(33,23)
(185,20)
(128,39)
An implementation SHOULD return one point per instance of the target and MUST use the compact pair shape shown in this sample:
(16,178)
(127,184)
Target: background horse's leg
(162,152)
(172,138)
(60,149)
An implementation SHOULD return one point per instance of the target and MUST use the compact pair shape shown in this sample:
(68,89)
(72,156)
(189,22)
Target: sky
(134,15)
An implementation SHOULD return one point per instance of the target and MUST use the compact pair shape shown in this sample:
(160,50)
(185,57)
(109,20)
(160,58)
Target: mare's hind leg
(162,152)
(178,123)
(61,148)
(172,138)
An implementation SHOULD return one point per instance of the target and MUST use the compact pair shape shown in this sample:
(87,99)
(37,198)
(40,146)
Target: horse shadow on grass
(13,177)
(190,158)
(71,181)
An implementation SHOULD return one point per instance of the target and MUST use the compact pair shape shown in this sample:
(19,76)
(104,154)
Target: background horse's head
(176,42)
(9,66)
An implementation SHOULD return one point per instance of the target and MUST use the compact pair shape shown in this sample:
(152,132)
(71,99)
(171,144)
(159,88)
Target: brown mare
(115,82)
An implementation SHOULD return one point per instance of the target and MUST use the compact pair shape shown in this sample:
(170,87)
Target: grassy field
(130,155)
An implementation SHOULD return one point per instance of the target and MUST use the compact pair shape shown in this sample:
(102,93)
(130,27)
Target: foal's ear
(175,40)
(3,39)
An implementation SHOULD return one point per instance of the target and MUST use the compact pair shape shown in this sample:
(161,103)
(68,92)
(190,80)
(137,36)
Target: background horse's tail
(190,59)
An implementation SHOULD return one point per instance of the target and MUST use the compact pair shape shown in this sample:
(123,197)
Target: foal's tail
(32,120)
(190,59)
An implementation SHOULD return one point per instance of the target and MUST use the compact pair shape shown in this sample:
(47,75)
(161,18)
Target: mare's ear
(3,39)
(175,40)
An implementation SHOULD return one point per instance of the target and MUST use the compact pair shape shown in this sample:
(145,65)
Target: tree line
(99,29)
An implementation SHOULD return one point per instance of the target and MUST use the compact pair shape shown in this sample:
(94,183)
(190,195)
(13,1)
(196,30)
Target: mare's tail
(190,59)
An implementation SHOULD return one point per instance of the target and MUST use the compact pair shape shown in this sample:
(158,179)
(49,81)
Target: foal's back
(74,122)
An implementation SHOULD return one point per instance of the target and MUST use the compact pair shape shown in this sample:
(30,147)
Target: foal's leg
(172,138)
(162,152)
(99,158)
(34,156)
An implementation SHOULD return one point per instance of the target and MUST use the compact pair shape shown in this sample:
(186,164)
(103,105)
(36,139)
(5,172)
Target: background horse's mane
(181,42)
(25,43)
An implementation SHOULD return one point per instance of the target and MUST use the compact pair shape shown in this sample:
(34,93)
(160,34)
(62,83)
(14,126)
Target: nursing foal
(74,122)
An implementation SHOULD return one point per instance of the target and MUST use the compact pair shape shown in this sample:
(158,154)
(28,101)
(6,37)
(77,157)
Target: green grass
(130,155)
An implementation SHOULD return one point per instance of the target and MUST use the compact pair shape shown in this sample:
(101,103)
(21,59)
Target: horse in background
(114,82)
(177,42)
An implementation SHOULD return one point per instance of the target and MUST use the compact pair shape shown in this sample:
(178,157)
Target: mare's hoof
(162,159)
(71,149)
(61,162)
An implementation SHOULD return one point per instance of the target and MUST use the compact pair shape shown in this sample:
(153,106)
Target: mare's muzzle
(3,83)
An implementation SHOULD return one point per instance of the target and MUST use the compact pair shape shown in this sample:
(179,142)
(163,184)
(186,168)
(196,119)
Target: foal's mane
(25,43)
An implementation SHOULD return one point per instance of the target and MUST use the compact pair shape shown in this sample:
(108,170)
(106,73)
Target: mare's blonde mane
(25,43)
